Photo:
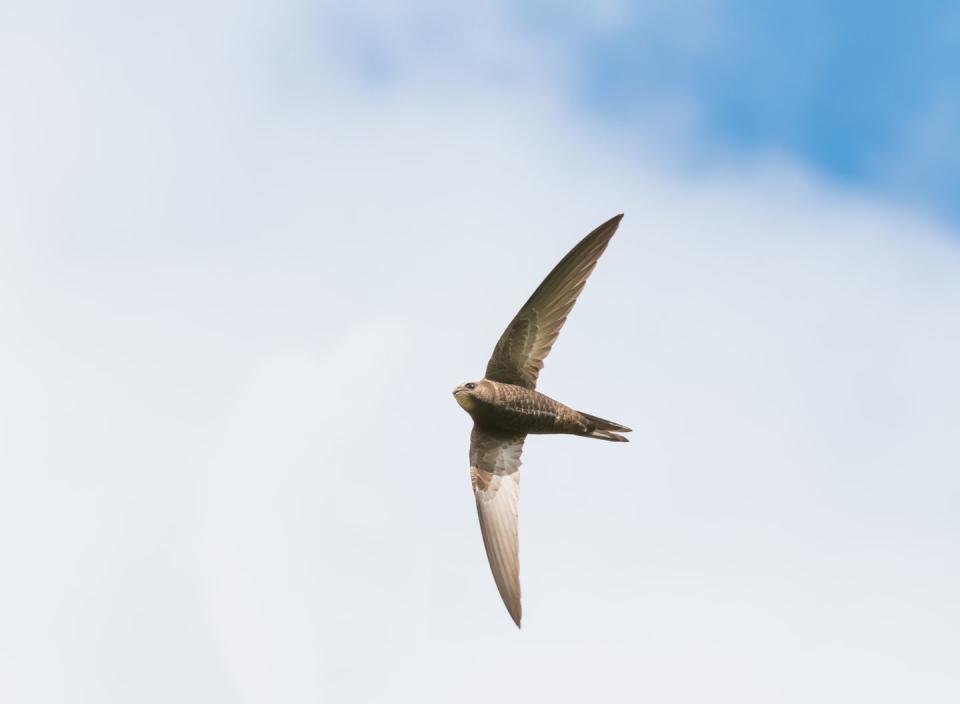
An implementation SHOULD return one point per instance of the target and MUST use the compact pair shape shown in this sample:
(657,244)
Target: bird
(506,407)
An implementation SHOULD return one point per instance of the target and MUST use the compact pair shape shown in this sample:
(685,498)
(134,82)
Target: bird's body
(513,408)
(506,407)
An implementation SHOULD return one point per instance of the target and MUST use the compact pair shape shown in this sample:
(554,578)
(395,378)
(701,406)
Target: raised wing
(519,354)
(495,474)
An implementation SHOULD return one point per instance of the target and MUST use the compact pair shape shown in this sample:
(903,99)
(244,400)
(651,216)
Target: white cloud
(235,308)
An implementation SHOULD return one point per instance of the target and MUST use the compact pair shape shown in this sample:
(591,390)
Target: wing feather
(495,475)
(519,354)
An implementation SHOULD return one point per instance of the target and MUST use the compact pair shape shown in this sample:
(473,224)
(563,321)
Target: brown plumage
(506,407)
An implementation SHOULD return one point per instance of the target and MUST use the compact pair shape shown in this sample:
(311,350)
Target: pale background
(248,249)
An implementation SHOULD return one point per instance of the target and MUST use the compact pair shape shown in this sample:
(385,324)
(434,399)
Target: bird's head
(469,393)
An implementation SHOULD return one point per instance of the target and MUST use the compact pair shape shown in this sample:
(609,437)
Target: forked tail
(603,429)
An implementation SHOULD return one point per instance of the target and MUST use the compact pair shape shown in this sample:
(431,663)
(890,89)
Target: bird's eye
(471,386)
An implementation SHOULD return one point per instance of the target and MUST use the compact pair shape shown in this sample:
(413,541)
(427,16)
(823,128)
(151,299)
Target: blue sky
(857,89)
(865,94)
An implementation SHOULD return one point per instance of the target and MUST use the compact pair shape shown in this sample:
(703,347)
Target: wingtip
(605,230)
(612,224)
(515,611)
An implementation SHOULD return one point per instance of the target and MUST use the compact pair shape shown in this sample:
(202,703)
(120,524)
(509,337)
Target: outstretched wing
(495,473)
(519,354)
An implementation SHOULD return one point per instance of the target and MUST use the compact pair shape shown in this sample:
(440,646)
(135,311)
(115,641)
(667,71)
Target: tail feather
(607,435)
(601,428)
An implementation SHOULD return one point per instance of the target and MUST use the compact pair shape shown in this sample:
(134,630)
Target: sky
(864,92)
(247,250)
